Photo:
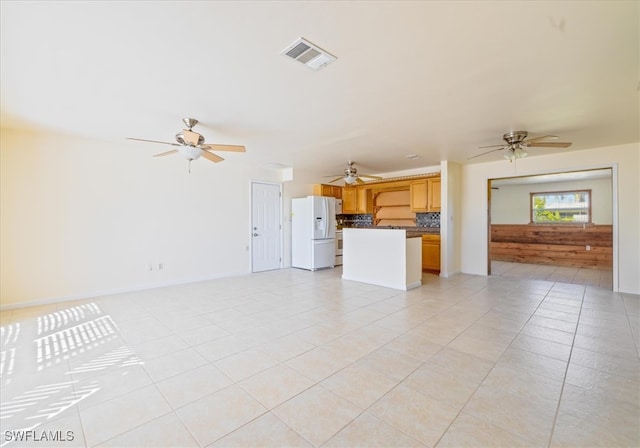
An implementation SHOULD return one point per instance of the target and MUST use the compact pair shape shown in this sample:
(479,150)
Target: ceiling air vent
(308,54)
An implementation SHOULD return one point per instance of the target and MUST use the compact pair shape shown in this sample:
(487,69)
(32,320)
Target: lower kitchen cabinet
(431,253)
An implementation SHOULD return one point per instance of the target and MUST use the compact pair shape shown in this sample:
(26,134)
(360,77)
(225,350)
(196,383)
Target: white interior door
(266,227)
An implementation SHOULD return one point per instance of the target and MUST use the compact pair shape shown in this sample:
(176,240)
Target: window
(561,207)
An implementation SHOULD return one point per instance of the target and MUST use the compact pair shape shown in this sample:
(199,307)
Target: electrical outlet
(588,247)
(160,266)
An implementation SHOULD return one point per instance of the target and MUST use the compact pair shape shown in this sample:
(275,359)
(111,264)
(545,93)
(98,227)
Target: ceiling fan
(517,140)
(191,145)
(351,175)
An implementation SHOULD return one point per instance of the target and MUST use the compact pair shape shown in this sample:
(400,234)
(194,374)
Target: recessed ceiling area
(434,79)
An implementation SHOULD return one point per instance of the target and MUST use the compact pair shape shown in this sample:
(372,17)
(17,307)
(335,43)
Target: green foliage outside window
(561,207)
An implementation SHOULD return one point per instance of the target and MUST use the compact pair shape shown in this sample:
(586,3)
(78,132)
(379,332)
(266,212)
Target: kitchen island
(382,257)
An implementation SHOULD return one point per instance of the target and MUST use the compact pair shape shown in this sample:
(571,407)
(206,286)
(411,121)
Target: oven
(338,247)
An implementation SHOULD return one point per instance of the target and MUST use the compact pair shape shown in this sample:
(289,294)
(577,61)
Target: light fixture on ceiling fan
(515,153)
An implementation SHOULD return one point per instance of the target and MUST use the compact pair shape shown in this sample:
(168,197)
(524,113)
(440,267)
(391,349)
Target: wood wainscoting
(589,246)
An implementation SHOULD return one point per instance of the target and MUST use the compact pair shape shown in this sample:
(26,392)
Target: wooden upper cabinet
(364,200)
(419,196)
(332,191)
(433,189)
(425,195)
(349,200)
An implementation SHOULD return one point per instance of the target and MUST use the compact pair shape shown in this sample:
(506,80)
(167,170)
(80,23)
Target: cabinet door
(364,200)
(433,187)
(336,192)
(431,253)
(349,200)
(418,196)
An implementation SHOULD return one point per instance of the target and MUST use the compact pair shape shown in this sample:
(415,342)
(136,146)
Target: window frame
(589,214)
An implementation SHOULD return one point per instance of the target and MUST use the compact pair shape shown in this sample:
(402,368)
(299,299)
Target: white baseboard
(112,291)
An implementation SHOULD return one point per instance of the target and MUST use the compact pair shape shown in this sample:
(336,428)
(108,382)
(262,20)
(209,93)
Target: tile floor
(581,276)
(294,358)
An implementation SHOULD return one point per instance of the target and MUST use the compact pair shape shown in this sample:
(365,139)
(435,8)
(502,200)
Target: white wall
(450,222)
(510,203)
(85,217)
(626,186)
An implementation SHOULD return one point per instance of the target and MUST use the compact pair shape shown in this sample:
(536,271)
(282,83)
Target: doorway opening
(555,227)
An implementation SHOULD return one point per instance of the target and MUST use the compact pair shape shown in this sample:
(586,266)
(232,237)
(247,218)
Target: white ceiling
(436,79)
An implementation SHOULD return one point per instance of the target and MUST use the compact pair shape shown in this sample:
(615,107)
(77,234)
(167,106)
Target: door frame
(614,210)
(250,230)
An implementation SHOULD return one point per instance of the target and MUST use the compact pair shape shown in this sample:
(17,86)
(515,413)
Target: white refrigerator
(313,230)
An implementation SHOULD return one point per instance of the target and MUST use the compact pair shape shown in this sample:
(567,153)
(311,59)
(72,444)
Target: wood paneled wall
(559,245)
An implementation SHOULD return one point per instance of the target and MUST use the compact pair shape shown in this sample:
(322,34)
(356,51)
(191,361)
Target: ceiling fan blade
(233,148)
(359,181)
(190,137)
(173,151)
(544,137)
(152,141)
(370,176)
(547,144)
(337,178)
(482,154)
(210,156)
(490,146)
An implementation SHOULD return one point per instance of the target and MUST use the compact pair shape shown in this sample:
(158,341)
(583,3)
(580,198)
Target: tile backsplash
(355,220)
(431,219)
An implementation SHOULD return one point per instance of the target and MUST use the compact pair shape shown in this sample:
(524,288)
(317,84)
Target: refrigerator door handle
(325,210)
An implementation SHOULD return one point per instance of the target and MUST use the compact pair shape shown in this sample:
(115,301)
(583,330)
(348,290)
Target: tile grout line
(564,379)
(634,336)
(489,372)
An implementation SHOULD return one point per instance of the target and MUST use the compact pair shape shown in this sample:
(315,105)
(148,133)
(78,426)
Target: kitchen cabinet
(357,200)
(431,253)
(332,191)
(425,195)
(392,207)
(364,200)
(433,189)
(382,257)
(418,196)
(349,200)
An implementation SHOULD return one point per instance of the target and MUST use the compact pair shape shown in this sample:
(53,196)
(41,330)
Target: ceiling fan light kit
(191,145)
(350,179)
(515,153)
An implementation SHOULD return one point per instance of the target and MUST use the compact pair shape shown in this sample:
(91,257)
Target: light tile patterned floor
(562,274)
(295,358)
